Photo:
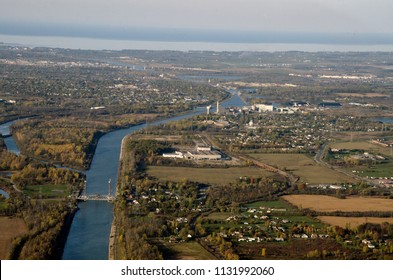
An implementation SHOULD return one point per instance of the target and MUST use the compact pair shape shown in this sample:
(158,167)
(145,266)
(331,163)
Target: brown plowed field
(9,228)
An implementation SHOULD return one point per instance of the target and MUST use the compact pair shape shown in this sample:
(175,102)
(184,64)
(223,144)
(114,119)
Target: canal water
(88,238)
(385,120)
(5,194)
(9,141)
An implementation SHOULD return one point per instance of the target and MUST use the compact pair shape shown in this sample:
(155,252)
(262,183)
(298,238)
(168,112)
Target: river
(88,238)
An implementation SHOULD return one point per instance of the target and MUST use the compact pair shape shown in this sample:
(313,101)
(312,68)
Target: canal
(88,238)
(90,229)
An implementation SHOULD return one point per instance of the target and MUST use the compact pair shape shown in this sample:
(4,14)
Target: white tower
(218,107)
(208,109)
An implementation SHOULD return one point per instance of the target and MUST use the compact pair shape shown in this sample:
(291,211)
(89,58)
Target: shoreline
(113,232)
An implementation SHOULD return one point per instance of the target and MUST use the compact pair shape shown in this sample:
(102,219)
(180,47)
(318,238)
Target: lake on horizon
(111,44)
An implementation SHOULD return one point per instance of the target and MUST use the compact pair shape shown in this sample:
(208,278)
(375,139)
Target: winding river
(88,238)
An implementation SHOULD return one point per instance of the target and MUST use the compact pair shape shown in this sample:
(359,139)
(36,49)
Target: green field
(270,204)
(379,170)
(384,169)
(219,216)
(304,167)
(47,191)
(3,205)
(216,176)
(185,251)
(363,145)
(292,214)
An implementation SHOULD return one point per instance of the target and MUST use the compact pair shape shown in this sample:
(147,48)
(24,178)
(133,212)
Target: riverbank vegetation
(42,201)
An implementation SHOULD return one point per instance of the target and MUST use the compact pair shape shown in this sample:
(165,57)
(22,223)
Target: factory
(264,107)
(201,153)
(204,155)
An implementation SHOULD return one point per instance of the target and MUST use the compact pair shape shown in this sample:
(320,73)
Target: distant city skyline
(354,16)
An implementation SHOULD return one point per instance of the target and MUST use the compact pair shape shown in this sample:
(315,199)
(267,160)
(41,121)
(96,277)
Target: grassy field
(325,203)
(217,176)
(185,251)
(353,222)
(9,228)
(270,204)
(292,214)
(304,167)
(363,145)
(47,191)
(219,216)
(367,95)
(384,169)
(378,170)
(3,205)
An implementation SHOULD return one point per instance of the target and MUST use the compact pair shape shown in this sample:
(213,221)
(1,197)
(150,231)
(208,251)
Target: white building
(264,107)
(204,148)
(203,155)
(174,155)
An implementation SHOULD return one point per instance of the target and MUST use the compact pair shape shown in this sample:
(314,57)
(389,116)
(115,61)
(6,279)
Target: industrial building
(264,107)
(204,155)
(174,155)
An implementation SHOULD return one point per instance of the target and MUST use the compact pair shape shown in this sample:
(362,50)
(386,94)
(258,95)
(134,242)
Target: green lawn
(379,170)
(47,191)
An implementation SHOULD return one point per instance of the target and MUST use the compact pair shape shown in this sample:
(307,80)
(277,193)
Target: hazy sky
(355,16)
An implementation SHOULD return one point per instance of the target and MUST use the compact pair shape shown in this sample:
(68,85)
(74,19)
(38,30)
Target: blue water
(5,128)
(6,195)
(385,120)
(9,141)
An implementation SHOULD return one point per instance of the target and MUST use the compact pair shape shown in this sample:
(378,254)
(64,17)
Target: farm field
(185,251)
(217,176)
(323,203)
(353,222)
(362,145)
(9,228)
(304,167)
